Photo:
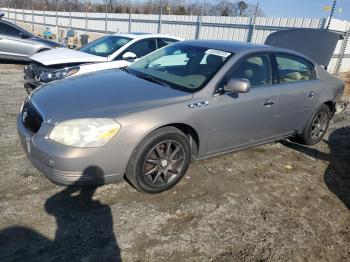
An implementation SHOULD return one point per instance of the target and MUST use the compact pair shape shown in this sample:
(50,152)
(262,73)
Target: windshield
(181,66)
(105,46)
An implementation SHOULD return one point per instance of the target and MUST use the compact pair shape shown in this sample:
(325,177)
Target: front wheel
(159,161)
(316,127)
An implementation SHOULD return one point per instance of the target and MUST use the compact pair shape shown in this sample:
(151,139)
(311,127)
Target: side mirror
(238,85)
(23,35)
(129,55)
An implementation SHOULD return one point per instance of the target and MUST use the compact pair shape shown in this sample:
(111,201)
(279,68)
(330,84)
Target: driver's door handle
(269,102)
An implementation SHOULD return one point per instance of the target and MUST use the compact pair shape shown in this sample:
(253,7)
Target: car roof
(237,47)
(135,35)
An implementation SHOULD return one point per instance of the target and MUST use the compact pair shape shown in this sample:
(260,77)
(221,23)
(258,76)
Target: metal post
(199,20)
(106,20)
(252,23)
(44,17)
(32,18)
(160,17)
(129,27)
(331,14)
(57,29)
(15,14)
(70,15)
(86,20)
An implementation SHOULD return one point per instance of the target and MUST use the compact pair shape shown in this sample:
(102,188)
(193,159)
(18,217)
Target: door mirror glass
(237,85)
(23,35)
(129,55)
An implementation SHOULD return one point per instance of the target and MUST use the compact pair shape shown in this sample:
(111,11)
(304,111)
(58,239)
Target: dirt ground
(346,77)
(278,202)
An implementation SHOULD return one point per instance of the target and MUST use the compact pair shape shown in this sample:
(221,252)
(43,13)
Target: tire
(29,90)
(155,166)
(313,132)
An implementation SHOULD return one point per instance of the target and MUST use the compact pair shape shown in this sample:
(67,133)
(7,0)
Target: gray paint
(224,122)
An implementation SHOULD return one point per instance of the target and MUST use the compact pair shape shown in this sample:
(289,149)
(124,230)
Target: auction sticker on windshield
(217,52)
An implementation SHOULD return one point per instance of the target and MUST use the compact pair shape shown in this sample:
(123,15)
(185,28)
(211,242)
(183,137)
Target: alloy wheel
(319,125)
(164,162)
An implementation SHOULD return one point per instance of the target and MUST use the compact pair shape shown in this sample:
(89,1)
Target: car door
(297,85)
(244,119)
(13,42)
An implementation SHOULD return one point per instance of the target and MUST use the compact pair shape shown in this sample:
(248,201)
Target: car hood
(65,56)
(107,93)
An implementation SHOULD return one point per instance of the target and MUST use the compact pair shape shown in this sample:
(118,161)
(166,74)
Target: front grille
(31,118)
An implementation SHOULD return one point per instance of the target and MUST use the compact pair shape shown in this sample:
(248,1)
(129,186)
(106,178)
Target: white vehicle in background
(107,52)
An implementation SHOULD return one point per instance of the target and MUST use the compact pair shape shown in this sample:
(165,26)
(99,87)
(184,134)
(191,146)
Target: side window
(294,69)
(9,30)
(165,41)
(142,47)
(256,69)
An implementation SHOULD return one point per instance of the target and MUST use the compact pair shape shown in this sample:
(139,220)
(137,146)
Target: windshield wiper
(152,79)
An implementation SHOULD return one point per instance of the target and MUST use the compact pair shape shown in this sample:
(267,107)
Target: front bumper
(73,166)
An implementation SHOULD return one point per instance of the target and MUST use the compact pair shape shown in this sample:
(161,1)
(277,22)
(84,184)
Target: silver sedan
(189,100)
(18,44)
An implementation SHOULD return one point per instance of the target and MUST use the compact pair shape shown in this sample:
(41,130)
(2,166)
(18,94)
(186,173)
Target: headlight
(87,132)
(60,74)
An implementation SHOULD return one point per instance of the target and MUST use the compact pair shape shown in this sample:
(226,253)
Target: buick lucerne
(188,100)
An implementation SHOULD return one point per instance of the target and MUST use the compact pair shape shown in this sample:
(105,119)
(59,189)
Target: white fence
(189,27)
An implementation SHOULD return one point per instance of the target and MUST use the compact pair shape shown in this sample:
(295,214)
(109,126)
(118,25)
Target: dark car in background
(18,44)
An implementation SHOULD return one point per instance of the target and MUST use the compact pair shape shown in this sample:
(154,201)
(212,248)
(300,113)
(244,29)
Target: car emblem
(24,115)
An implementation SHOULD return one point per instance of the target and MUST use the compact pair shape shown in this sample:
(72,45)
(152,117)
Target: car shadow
(337,174)
(84,230)
(14,62)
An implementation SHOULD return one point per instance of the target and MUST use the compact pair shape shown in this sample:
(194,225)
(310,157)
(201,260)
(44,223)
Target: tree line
(174,7)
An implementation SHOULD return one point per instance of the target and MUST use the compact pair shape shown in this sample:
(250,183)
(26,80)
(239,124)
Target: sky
(303,8)
(288,8)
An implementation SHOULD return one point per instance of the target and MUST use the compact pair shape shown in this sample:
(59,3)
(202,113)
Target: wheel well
(331,106)
(191,133)
(42,50)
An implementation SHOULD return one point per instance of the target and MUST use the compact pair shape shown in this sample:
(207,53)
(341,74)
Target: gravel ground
(277,202)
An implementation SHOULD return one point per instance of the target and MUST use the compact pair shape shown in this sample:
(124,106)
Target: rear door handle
(311,94)
(269,102)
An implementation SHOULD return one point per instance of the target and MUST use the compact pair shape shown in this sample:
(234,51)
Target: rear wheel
(159,161)
(316,127)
